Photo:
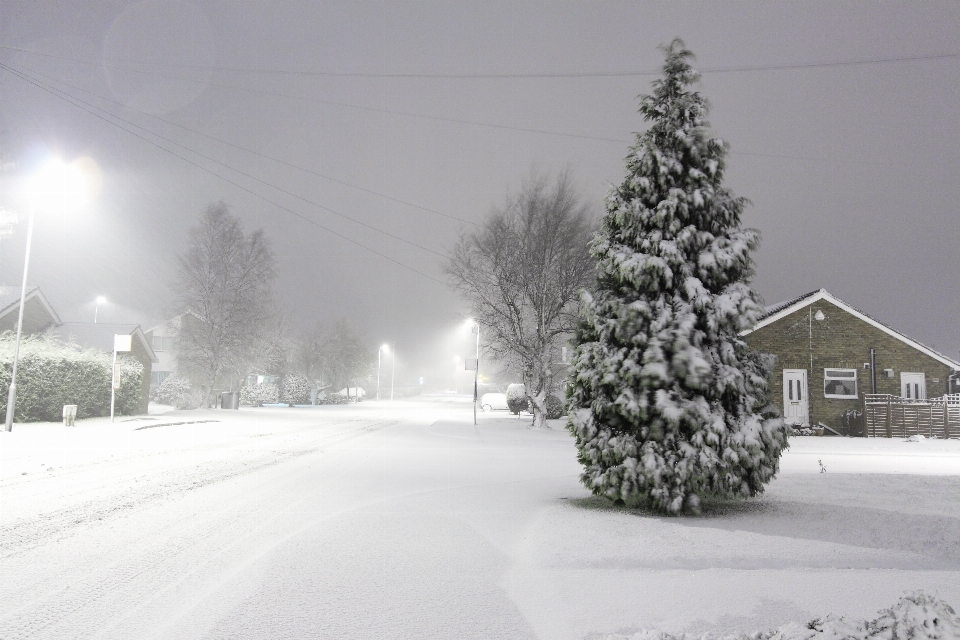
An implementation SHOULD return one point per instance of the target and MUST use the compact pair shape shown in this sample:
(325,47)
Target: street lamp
(393,368)
(96,311)
(382,348)
(50,187)
(476,371)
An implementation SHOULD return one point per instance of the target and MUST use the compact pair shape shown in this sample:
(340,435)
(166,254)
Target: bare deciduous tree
(522,273)
(334,355)
(225,278)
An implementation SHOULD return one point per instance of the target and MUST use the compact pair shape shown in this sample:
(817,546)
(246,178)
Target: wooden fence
(888,416)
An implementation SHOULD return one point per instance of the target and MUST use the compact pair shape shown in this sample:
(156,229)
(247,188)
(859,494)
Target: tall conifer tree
(668,404)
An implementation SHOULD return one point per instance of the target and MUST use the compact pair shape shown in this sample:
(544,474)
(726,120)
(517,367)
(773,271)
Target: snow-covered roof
(173,322)
(10,301)
(99,335)
(781,309)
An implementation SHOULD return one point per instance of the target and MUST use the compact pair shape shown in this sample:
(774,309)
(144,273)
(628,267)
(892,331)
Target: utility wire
(241,172)
(571,74)
(441,118)
(248,150)
(348,105)
(70,100)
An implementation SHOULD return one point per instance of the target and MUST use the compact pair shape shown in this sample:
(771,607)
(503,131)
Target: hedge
(177,391)
(52,374)
(260,394)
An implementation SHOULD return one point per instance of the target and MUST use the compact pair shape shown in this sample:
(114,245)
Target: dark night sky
(851,169)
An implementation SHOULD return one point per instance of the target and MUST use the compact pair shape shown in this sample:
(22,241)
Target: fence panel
(888,416)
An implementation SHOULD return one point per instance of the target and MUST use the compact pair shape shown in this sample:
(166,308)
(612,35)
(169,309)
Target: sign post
(121,343)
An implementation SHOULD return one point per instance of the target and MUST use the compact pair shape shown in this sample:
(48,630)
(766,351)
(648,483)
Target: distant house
(829,354)
(99,336)
(38,315)
(163,339)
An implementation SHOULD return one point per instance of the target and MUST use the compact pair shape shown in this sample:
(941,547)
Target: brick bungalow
(829,354)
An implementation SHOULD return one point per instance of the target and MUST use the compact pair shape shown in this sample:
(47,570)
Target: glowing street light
(393,368)
(55,185)
(382,348)
(476,371)
(100,300)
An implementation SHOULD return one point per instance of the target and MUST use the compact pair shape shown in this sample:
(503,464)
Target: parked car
(493,402)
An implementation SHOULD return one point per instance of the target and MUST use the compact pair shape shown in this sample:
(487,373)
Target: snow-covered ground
(403,520)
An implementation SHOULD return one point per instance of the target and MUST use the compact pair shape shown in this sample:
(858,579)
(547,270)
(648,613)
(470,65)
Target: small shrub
(260,394)
(517,398)
(555,408)
(333,398)
(177,391)
(295,389)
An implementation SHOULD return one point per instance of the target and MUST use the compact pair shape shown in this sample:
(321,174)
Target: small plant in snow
(517,400)
(555,408)
(295,389)
(177,391)
(917,616)
(260,394)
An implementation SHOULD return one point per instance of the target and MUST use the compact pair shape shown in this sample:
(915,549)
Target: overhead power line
(620,141)
(524,75)
(79,104)
(335,103)
(250,151)
(240,171)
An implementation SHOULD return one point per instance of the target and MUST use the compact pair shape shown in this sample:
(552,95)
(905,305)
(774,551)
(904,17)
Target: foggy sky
(851,169)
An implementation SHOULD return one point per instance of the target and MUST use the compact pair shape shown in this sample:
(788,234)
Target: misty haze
(622,320)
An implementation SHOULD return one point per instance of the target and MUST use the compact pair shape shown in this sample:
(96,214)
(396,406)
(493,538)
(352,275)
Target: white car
(493,402)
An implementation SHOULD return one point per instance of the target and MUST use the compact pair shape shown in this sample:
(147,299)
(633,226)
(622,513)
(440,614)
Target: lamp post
(393,367)
(96,311)
(383,347)
(54,179)
(476,372)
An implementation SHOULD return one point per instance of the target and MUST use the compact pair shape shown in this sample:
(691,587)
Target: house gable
(805,301)
(38,315)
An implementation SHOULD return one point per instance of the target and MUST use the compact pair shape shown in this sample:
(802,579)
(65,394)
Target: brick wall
(843,341)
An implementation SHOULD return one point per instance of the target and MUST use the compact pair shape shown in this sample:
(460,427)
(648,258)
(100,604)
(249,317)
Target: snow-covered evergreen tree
(668,404)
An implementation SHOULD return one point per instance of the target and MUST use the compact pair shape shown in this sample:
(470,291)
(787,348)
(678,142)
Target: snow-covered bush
(176,391)
(333,398)
(555,408)
(916,616)
(667,402)
(295,389)
(517,400)
(51,374)
(260,394)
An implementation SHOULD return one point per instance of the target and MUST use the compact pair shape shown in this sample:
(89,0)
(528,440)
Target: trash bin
(69,415)
(230,400)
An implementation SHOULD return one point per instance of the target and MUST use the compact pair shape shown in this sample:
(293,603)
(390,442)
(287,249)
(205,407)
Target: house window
(840,383)
(162,343)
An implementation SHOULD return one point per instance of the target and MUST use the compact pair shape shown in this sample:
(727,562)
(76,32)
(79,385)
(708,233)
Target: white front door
(913,386)
(796,405)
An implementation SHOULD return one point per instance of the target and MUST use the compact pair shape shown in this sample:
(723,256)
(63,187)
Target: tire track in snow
(27,533)
(165,562)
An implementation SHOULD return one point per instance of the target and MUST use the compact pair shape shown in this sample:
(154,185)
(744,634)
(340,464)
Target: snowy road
(406,521)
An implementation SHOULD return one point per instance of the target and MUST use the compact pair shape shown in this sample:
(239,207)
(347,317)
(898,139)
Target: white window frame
(827,377)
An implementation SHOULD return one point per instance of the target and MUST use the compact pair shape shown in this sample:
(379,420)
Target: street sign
(470,364)
(122,342)
(116,376)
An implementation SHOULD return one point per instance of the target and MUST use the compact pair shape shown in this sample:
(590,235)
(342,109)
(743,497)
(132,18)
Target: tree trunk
(536,384)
